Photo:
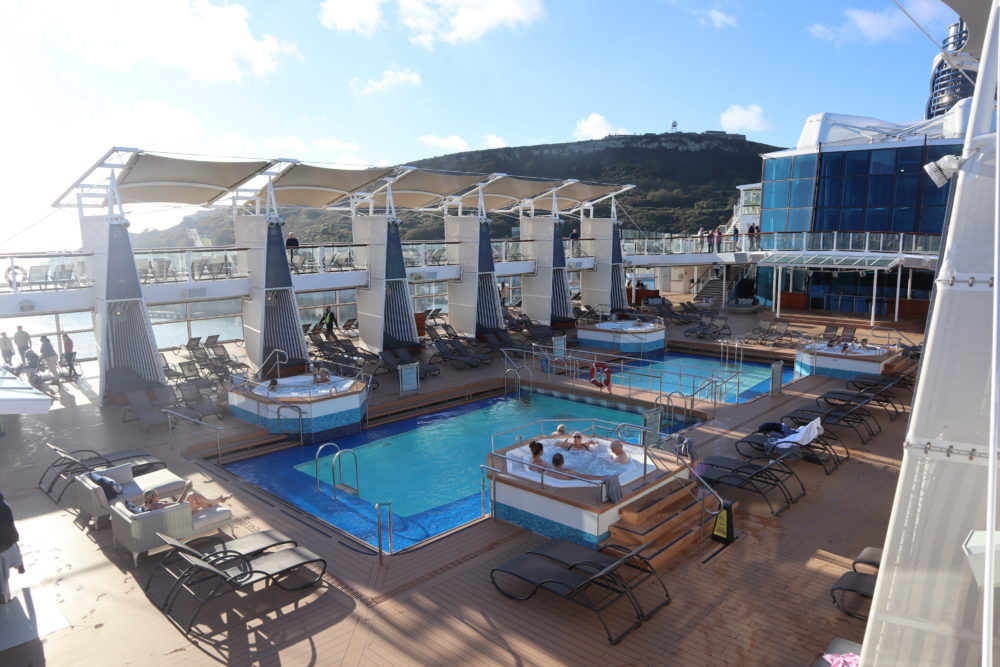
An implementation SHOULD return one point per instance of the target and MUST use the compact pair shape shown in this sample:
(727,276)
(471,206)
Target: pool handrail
(218,429)
(333,470)
(482,489)
(378,521)
(331,391)
(593,482)
(277,360)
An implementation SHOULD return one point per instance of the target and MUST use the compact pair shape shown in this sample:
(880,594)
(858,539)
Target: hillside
(683,181)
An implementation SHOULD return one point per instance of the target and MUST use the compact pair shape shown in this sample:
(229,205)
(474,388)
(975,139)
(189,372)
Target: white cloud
(392,77)
(361,16)
(453,143)
(720,19)
(335,145)
(595,126)
(218,44)
(494,141)
(888,23)
(750,117)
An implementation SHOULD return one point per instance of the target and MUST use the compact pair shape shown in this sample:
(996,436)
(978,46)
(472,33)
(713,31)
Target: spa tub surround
(625,336)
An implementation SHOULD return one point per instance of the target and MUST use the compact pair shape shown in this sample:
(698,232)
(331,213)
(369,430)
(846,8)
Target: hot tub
(844,360)
(321,411)
(627,336)
(594,462)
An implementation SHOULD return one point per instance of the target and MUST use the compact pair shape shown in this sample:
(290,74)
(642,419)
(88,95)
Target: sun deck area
(764,599)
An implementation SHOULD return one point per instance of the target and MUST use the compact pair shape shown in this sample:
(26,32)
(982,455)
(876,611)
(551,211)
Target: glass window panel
(773,221)
(939,151)
(769,168)
(830,191)
(907,190)
(776,194)
(850,220)
(315,299)
(804,166)
(826,219)
(802,192)
(880,190)
(933,195)
(167,312)
(83,319)
(832,165)
(200,309)
(799,219)
(227,328)
(782,168)
(883,161)
(904,219)
(932,219)
(856,163)
(172,334)
(346,296)
(910,160)
(854,191)
(877,220)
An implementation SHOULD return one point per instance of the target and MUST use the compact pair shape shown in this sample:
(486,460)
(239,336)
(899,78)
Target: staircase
(672,518)
(239,446)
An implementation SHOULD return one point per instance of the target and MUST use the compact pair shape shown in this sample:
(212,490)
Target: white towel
(802,436)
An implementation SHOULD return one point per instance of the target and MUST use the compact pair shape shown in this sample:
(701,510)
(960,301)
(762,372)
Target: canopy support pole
(899,281)
(777,288)
(874,292)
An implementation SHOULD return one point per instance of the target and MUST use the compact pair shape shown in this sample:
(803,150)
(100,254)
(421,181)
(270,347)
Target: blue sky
(389,81)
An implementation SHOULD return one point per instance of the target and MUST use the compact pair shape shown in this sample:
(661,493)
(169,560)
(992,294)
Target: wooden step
(667,522)
(657,500)
(665,555)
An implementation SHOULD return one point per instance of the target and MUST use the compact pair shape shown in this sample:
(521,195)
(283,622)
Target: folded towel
(614,488)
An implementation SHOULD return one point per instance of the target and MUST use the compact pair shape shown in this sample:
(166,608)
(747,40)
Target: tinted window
(880,190)
(877,220)
(907,189)
(932,219)
(802,192)
(910,160)
(804,166)
(799,220)
(832,164)
(933,195)
(904,219)
(854,191)
(773,221)
(826,219)
(782,168)
(850,220)
(776,194)
(829,192)
(883,161)
(855,163)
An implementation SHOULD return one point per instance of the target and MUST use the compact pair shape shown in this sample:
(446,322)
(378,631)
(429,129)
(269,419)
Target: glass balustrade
(31,272)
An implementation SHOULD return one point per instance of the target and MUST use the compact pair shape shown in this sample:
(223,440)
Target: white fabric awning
(149,178)
(17,397)
(305,185)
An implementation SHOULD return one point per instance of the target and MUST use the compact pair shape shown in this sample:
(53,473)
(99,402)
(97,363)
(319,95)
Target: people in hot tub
(536,449)
(272,385)
(560,430)
(559,466)
(864,344)
(322,376)
(576,443)
(618,454)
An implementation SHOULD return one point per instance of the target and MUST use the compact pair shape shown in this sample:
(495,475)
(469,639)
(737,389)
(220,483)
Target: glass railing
(430,253)
(326,258)
(578,248)
(45,271)
(509,250)
(879,242)
(190,264)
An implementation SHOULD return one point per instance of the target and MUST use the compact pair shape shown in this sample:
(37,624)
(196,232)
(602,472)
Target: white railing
(869,242)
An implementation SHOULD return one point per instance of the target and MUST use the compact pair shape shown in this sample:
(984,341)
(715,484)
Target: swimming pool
(675,371)
(427,466)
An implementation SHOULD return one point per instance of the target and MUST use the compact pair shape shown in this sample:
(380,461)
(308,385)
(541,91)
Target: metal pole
(874,292)
(899,282)
(777,289)
(909,285)
(724,283)
(984,99)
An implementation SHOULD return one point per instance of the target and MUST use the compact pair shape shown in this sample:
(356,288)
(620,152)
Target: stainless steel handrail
(316,461)
(378,518)
(333,470)
(274,353)
(218,429)
(541,472)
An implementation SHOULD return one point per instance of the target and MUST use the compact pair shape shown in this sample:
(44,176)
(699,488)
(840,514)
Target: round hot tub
(595,463)
(624,336)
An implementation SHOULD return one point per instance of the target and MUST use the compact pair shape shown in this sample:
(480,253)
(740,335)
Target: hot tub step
(673,493)
(667,522)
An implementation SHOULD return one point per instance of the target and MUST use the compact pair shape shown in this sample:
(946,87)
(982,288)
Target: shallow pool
(673,371)
(429,466)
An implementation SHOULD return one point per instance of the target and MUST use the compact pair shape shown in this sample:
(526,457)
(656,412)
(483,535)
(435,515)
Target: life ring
(597,370)
(15,273)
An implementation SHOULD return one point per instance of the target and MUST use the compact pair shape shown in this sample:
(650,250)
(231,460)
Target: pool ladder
(337,465)
(515,375)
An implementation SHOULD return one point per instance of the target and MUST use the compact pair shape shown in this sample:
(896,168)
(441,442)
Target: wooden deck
(762,600)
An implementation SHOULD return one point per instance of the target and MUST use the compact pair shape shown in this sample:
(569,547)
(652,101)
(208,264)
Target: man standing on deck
(574,243)
(291,241)
(23,341)
(6,348)
(329,320)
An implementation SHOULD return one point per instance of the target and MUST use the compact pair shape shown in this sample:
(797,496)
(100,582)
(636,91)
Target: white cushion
(209,517)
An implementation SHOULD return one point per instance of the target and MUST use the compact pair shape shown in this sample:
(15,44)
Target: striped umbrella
(619,299)
(562,309)
(130,341)
(282,326)
(489,312)
(399,325)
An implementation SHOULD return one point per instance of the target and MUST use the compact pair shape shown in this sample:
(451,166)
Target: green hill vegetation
(683,181)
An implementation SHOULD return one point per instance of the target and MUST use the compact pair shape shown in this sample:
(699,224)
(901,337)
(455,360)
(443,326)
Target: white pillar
(899,282)
(777,290)
(909,285)
(874,289)
(723,305)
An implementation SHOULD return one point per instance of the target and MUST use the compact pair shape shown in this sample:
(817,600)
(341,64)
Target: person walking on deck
(6,348)
(23,341)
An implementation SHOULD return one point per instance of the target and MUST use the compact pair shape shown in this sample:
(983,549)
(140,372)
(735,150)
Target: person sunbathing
(536,454)
(576,443)
(151,499)
(618,454)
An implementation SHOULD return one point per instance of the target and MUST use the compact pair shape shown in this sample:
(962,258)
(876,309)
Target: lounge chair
(759,479)
(451,333)
(169,370)
(762,327)
(859,583)
(405,358)
(579,557)
(69,464)
(807,440)
(848,334)
(208,579)
(879,397)
(459,347)
(829,332)
(139,533)
(457,360)
(870,556)
(434,315)
(855,418)
(140,409)
(193,343)
(777,334)
(192,375)
(193,399)
(212,548)
(569,584)
(220,353)
(92,500)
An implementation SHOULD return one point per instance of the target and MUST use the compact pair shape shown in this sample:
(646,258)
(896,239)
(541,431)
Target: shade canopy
(149,178)
(307,185)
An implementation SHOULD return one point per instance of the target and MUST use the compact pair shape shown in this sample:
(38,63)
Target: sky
(381,82)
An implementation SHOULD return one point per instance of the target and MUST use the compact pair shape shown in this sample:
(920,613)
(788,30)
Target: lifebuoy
(597,370)
(15,272)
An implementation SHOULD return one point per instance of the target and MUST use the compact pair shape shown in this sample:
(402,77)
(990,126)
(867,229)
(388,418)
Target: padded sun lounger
(205,581)
(759,479)
(858,583)
(808,440)
(460,348)
(632,572)
(458,361)
(879,398)
(572,585)
(425,369)
(870,556)
(70,464)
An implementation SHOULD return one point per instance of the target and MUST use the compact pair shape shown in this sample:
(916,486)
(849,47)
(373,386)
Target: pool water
(428,466)
(674,371)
